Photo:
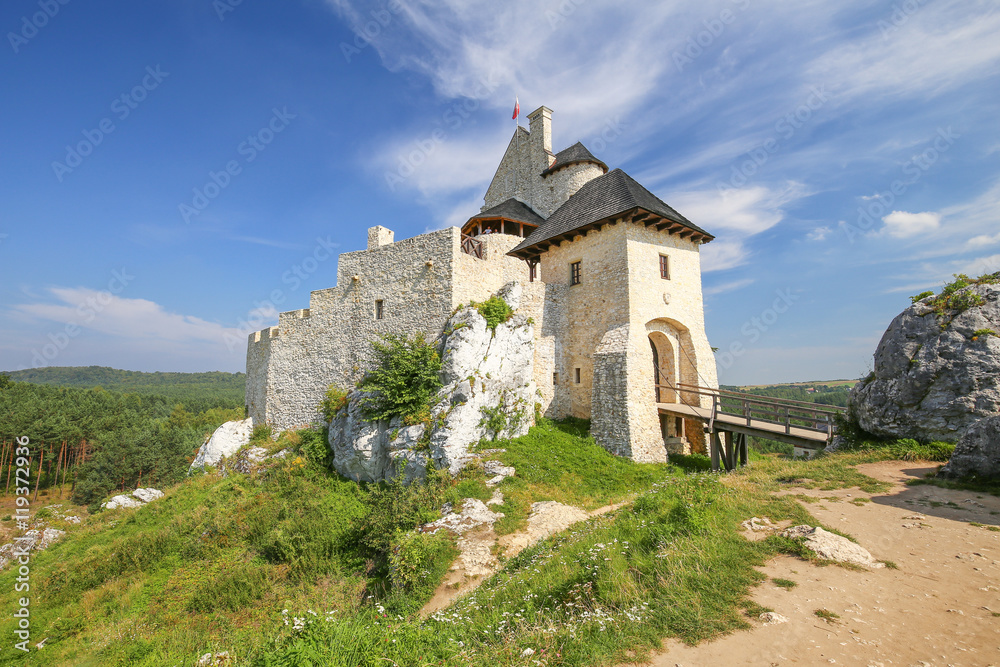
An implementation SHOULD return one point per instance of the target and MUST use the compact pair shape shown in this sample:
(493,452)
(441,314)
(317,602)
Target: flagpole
(517,144)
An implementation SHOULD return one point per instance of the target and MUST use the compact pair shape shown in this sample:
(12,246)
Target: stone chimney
(540,127)
(379,236)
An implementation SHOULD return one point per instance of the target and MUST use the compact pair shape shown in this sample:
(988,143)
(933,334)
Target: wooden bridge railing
(778,411)
(472,246)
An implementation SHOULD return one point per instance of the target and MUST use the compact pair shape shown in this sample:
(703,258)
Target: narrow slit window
(577,371)
(574,273)
(555,378)
(379,310)
(664,267)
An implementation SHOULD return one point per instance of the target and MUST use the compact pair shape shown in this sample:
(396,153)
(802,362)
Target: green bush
(313,445)
(417,561)
(921,296)
(262,435)
(953,298)
(495,310)
(333,402)
(405,378)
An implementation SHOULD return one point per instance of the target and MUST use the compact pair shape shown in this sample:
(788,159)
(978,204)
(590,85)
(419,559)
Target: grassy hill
(298,566)
(197,391)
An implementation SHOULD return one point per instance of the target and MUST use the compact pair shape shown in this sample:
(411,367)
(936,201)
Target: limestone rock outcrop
(934,376)
(226,441)
(488,392)
(977,453)
(32,540)
(137,498)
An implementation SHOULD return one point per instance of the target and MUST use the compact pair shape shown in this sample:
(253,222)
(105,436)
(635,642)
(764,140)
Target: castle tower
(530,173)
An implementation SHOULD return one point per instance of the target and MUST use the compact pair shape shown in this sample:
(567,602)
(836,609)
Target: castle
(611,276)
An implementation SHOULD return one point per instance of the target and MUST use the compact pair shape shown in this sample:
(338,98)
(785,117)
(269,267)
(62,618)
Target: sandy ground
(940,608)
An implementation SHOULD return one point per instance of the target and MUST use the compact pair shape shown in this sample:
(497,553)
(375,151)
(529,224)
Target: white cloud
(819,234)
(433,167)
(722,255)
(95,326)
(744,211)
(727,287)
(472,50)
(939,47)
(901,224)
(984,240)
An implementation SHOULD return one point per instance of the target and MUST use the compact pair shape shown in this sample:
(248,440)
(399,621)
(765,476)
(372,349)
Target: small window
(379,311)
(664,267)
(577,372)
(574,273)
(555,378)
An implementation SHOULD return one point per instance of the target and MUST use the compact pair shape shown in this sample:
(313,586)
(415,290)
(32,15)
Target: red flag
(517,109)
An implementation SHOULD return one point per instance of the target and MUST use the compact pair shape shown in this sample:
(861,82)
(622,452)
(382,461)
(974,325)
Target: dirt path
(940,608)
(477,562)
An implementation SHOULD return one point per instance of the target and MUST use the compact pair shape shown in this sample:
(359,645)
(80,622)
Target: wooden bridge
(734,416)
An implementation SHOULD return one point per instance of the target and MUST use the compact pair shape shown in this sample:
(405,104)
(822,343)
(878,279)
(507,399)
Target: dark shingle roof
(512,209)
(600,199)
(575,153)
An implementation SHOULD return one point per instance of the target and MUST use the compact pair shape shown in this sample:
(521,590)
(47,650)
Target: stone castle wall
(592,356)
(289,367)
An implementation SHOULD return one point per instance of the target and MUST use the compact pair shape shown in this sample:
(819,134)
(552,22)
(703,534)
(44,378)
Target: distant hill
(196,391)
(829,392)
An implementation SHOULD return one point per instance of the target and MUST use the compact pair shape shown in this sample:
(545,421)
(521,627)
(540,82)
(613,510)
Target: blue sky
(175,173)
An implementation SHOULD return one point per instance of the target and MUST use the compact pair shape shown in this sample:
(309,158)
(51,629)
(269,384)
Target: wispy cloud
(731,286)
(284,245)
(77,318)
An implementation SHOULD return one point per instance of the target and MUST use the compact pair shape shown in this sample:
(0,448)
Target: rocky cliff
(937,367)
(488,392)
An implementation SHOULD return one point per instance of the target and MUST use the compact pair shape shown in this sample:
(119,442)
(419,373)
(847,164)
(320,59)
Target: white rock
(32,540)
(474,513)
(122,501)
(829,546)
(771,618)
(497,472)
(138,498)
(226,441)
(147,495)
(758,525)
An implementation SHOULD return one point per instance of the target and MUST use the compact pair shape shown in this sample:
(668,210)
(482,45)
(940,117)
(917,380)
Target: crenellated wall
(289,367)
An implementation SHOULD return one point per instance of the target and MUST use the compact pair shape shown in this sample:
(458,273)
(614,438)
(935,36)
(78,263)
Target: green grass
(560,461)
(827,615)
(787,584)
(991,487)
(297,566)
